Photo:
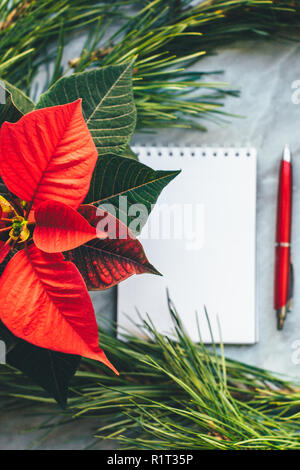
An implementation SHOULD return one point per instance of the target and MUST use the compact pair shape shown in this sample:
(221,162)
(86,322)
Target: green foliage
(128,153)
(118,180)
(28,29)
(108,105)
(173,394)
(168,36)
(50,369)
(15,104)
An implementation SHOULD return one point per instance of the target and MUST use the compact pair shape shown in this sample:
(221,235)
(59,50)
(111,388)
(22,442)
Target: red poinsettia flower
(46,160)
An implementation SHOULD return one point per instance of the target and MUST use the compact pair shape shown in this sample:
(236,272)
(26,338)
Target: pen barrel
(284,204)
(282,276)
(283,236)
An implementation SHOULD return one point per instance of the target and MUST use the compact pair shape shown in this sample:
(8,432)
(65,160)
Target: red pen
(283,267)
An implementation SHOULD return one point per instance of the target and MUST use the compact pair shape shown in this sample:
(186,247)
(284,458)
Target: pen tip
(286,153)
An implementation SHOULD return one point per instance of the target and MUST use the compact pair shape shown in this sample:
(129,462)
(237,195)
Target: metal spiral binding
(192,149)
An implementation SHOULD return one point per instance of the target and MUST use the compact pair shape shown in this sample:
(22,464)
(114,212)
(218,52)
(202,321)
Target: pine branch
(172,393)
(168,36)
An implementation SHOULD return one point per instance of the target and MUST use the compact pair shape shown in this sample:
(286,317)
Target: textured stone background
(264,72)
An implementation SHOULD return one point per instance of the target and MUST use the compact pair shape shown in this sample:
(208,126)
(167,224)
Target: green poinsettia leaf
(51,370)
(118,183)
(14,103)
(129,153)
(107,104)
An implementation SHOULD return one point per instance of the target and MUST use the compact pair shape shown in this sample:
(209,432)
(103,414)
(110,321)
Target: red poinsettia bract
(46,160)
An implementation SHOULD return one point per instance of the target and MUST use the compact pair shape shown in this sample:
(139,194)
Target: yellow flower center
(18,228)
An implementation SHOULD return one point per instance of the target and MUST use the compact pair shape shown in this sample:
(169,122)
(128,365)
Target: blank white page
(207,252)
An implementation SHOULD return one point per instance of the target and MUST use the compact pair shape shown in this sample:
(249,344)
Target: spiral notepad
(201,237)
